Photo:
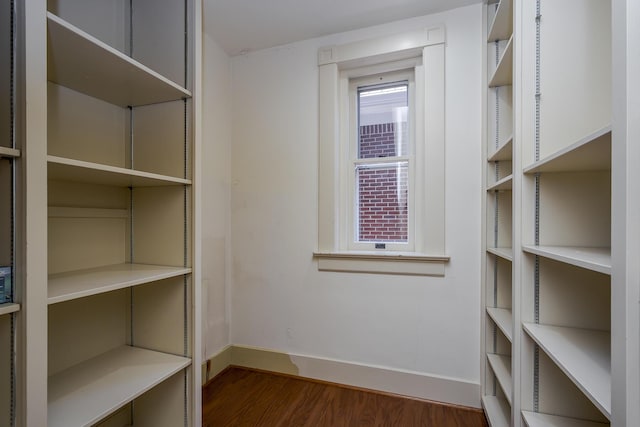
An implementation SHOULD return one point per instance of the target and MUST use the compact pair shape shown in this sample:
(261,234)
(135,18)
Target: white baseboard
(406,383)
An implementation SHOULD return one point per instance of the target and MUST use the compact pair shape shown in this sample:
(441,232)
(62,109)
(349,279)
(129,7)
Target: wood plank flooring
(243,397)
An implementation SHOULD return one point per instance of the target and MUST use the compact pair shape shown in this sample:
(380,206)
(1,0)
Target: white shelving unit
(498,388)
(112,323)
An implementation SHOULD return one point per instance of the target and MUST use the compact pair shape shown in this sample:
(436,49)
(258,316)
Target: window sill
(413,264)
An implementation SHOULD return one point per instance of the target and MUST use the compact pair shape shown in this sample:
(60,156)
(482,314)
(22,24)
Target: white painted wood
(592,152)
(596,259)
(9,308)
(502,252)
(583,355)
(90,391)
(536,419)
(501,366)
(83,283)
(83,63)
(505,183)
(64,169)
(503,75)
(9,152)
(503,318)
(503,152)
(502,25)
(497,411)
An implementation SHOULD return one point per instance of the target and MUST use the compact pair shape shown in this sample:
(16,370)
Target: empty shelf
(9,152)
(9,308)
(596,259)
(506,253)
(503,319)
(64,169)
(502,25)
(88,392)
(497,410)
(505,183)
(592,152)
(83,283)
(502,76)
(536,419)
(583,355)
(503,152)
(501,366)
(83,63)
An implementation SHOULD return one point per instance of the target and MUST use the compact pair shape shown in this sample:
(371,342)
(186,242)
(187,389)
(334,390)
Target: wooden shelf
(501,366)
(83,63)
(536,419)
(595,259)
(497,411)
(591,153)
(9,308)
(89,392)
(64,169)
(502,25)
(506,253)
(83,283)
(504,184)
(9,152)
(503,152)
(583,355)
(503,75)
(502,317)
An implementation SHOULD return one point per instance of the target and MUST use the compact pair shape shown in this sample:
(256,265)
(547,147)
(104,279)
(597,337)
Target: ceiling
(240,26)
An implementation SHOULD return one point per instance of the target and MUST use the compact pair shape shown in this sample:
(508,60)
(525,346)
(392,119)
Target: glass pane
(6,230)
(382,121)
(382,214)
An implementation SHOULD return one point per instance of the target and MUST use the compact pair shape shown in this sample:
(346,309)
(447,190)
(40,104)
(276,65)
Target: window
(381,155)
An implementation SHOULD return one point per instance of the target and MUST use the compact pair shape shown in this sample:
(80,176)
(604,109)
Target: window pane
(382,121)
(382,214)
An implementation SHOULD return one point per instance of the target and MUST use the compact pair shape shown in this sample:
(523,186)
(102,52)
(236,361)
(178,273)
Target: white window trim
(423,50)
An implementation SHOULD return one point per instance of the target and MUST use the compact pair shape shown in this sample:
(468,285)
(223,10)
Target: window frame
(350,197)
(424,52)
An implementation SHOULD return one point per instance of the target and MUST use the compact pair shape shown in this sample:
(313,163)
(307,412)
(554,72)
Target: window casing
(421,53)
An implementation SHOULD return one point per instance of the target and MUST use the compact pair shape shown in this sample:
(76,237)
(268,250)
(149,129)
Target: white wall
(216,170)
(279,300)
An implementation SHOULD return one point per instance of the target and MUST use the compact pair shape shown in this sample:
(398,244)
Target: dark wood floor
(241,397)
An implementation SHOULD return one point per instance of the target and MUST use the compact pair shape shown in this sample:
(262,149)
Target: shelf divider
(497,410)
(502,25)
(9,152)
(83,283)
(87,393)
(9,308)
(85,64)
(503,152)
(596,259)
(505,183)
(502,317)
(536,419)
(583,355)
(503,75)
(506,253)
(64,169)
(501,366)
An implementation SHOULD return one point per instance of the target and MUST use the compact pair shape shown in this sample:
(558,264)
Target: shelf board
(503,75)
(497,411)
(90,391)
(64,169)
(591,153)
(9,152)
(84,283)
(506,253)
(502,317)
(9,308)
(504,184)
(595,259)
(536,419)
(502,25)
(583,355)
(83,63)
(503,152)
(501,366)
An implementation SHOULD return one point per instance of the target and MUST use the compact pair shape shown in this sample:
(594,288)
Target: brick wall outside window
(382,190)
